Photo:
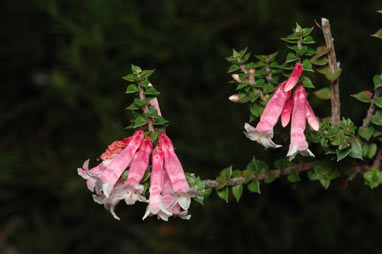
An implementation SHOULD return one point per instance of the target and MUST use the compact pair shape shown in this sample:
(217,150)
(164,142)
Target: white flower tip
(184,201)
(114,214)
(107,188)
(236,77)
(86,164)
(234,98)
(288,86)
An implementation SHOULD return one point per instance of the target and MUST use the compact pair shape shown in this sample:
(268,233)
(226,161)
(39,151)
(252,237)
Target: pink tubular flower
(294,77)
(169,199)
(287,110)
(120,162)
(175,172)
(298,142)
(263,133)
(156,205)
(312,119)
(91,175)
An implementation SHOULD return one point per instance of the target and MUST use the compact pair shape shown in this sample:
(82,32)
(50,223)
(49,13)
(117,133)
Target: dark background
(62,101)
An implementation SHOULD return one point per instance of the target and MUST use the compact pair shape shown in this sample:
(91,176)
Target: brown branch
(370,111)
(261,176)
(145,109)
(251,79)
(333,67)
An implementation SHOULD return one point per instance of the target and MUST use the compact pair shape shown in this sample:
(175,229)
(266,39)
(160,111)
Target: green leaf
(307,65)
(150,90)
(307,31)
(248,175)
(366,133)
(307,82)
(365,149)
(133,106)
(227,172)
(373,178)
(223,194)
(132,88)
(331,76)
(140,121)
(372,150)
(237,191)
(144,83)
(135,69)
(321,51)
(378,102)
(256,110)
(222,181)
(308,40)
(377,118)
(378,34)
(377,79)
(319,60)
(291,58)
(154,136)
(364,96)
(270,176)
(130,77)
(323,93)
(254,186)
(233,68)
(356,149)
(341,154)
(293,177)
(160,121)
(236,173)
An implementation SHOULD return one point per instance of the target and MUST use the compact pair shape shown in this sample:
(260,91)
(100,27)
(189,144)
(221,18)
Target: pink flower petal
(263,133)
(172,165)
(294,77)
(312,119)
(139,164)
(120,162)
(298,142)
(287,110)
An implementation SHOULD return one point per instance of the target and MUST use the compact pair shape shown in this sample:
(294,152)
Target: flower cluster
(170,194)
(284,104)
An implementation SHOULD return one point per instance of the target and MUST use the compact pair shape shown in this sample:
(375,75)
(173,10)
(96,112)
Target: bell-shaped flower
(112,201)
(132,189)
(294,77)
(169,198)
(156,205)
(263,133)
(119,163)
(176,174)
(298,142)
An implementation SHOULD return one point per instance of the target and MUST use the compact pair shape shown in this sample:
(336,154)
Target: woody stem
(333,67)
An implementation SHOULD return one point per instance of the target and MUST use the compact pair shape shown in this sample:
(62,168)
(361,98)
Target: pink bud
(236,78)
(287,110)
(312,119)
(234,98)
(294,77)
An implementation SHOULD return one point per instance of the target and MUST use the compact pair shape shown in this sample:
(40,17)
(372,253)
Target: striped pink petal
(298,142)
(263,133)
(172,165)
(120,162)
(139,164)
(294,77)
(287,110)
(312,119)
(156,205)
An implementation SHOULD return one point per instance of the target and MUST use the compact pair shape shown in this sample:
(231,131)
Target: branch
(262,176)
(370,111)
(333,67)
(145,109)
(251,79)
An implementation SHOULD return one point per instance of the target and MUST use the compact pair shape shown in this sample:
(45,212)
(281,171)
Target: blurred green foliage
(62,101)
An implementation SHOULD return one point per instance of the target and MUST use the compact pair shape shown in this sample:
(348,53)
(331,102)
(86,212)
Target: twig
(261,176)
(370,111)
(251,79)
(333,67)
(145,109)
